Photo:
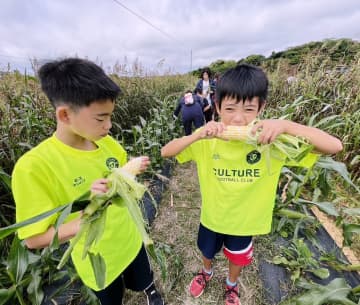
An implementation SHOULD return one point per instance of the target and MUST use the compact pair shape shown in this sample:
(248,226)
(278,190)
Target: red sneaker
(199,283)
(232,295)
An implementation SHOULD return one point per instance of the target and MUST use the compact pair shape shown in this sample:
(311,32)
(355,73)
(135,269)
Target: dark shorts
(238,249)
(137,276)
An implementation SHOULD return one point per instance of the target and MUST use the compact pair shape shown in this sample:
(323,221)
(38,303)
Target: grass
(175,234)
(175,231)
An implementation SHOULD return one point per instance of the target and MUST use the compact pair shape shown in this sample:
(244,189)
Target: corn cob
(286,146)
(240,133)
(133,166)
(122,184)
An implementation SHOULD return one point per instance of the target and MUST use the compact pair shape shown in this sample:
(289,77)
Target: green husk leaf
(99,268)
(94,233)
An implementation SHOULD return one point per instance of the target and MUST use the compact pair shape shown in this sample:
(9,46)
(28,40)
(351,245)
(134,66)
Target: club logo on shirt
(112,163)
(78,180)
(253,157)
(216,156)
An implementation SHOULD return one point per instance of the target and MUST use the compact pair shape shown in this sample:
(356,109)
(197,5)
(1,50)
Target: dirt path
(175,231)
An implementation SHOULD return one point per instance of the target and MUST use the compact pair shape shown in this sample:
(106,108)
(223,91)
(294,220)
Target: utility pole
(190,59)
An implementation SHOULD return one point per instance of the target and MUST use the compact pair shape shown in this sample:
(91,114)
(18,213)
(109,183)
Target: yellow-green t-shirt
(238,189)
(53,174)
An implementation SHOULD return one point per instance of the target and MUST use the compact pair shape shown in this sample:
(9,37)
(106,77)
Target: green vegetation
(337,52)
(324,92)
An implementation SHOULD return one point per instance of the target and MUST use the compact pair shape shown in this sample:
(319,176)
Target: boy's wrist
(195,136)
(289,127)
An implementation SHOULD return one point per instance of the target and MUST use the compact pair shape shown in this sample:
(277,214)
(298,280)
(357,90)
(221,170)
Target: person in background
(238,191)
(191,108)
(205,105)
(72,161)
(207,87)
(216,79)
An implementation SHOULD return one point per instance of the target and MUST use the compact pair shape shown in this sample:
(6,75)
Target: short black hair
(198,90)
(205,70)
(243,82)
(76,82)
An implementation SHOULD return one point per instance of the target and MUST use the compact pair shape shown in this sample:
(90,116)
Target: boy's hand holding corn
(268,130)
(137,165)
(211,130)
(134,167)
(99,186)
(263,132)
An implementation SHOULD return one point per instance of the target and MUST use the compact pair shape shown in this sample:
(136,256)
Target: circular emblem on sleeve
(112,163)
(253,157)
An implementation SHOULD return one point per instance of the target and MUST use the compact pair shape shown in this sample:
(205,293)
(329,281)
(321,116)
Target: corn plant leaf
(81,201)
(60,220)
(35,293)
(138,129)
(7,294)
(160,259)
(349,229)
(325,121)
(99,268)
(280,260)
(352,211)
(321,273)
(325,206)
(339,167)
(18,260)
(142,121)
(291,214)
(295,274)
(336,291)
(5,179)
(14,227)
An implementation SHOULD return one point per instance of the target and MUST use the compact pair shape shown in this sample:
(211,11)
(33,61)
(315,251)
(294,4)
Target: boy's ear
(63,114)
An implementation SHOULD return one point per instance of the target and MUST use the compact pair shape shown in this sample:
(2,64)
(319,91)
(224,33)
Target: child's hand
(144,164)
(269,130)
(211,129)
(99,186)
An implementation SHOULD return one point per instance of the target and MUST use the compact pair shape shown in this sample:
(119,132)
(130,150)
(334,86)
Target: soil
(174,231)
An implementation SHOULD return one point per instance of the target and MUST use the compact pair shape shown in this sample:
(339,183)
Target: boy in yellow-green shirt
(69,163)
(238,191)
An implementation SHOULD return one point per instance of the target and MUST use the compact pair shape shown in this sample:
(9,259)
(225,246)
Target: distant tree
(255,60)
(220,66)
(340,51)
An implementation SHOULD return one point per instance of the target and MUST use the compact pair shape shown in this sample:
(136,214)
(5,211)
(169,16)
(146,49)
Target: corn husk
(123,189)
(285,147)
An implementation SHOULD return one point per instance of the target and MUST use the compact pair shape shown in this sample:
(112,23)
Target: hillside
(340,52)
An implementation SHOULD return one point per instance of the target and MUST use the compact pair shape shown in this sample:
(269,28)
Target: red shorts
(238,249)
(240,258)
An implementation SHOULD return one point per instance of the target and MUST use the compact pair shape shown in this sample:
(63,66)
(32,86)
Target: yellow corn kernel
(240,133)
(133,166)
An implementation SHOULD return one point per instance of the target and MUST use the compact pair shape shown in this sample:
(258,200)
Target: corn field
(319,95)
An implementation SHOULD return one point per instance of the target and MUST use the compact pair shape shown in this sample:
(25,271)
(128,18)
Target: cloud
(209,30)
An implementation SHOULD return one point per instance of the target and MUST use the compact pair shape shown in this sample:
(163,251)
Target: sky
(165,36)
